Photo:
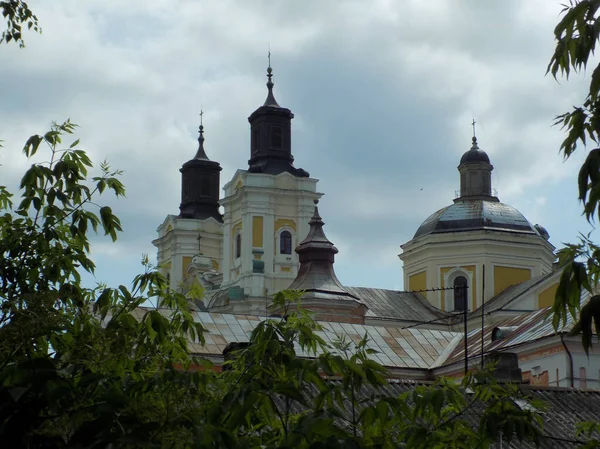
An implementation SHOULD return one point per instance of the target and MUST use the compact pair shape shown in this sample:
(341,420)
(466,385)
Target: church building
(477,257)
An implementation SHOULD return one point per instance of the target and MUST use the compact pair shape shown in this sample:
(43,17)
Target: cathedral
(477,265)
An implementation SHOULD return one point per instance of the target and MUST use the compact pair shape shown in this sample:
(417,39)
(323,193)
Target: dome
(474,215)
(474,155)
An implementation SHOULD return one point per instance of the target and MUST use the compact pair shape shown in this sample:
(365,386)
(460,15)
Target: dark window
(254,140)
(460,293)
(238,245)
(205,187)
(285,243)
(185,188)
(276,137)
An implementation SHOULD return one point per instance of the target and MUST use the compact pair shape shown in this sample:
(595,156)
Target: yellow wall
(504,277)
(286,269)
(186,261)
(285,222)
(546,298)
(417,281)
(472,288)
(257,231)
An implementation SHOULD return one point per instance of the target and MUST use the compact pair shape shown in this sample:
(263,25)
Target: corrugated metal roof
(397,348)
(528,327)
(402,306)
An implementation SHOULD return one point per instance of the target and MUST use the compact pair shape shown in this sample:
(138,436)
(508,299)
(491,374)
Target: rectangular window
(254,142)
(205,187)
(276,137)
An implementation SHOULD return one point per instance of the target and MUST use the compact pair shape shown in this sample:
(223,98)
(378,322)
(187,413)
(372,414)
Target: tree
(17,15)
(78,367)
(576,36)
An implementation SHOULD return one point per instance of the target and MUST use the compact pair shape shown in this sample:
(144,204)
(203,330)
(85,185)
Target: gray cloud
(383,93)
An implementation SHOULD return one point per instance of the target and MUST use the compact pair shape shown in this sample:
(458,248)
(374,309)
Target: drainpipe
(562,339)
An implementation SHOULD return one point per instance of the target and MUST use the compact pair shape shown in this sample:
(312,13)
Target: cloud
(383,93)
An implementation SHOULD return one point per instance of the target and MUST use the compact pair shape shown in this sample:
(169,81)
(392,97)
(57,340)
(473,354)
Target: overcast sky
(383,93)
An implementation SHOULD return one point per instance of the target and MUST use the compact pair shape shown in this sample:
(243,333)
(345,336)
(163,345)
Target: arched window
(238,246)
(285,242)
(460,293)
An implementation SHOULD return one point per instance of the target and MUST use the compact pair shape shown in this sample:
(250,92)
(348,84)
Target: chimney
(231,351)
(507,367)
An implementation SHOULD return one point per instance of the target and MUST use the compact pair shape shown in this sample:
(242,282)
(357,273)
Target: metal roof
(564,409)
(398,305)
(528,327)
(476,214)
(396,348)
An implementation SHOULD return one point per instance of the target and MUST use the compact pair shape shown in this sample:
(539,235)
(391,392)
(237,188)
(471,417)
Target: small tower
(475,175)
(200,179)
(270,139)
(324,294)
(199,217)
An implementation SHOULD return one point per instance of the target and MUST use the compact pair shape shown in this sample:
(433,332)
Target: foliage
(576,36)
(17,14)
(81,367)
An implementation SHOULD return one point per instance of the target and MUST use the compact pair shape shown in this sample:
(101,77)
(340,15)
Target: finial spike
(270,101)
(201,154)
(473,125)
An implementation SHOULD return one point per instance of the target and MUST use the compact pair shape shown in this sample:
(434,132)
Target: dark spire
(270,101)
(201,154)
(317,255)
(271,137)
(200,180)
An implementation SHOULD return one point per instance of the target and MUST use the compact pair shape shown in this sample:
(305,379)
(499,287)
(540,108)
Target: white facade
(258,208)
(178,243)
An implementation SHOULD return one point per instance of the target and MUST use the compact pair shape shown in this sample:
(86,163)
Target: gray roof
(471,215)
(564,409)
(395,348)
(398,305)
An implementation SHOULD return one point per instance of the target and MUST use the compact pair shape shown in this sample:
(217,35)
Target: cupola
(200,178)
(270,137)
(475,175)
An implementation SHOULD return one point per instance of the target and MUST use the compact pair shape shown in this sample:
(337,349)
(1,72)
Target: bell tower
(267,208)
(199,218)
(271,137)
